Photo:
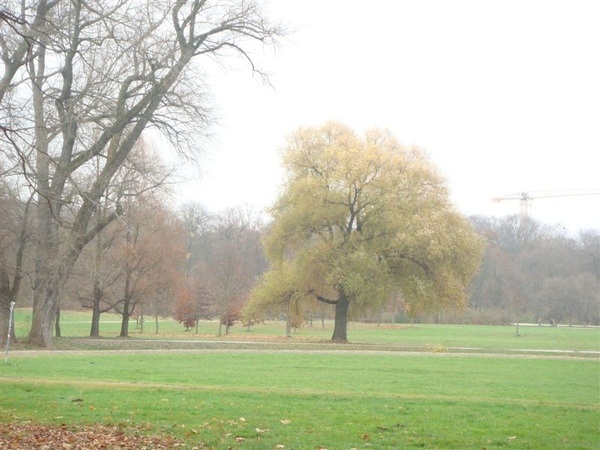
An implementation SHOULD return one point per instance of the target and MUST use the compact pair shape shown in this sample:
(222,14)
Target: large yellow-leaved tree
(359,219)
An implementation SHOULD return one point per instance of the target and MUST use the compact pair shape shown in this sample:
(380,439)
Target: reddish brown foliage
(97,437)
(186,308)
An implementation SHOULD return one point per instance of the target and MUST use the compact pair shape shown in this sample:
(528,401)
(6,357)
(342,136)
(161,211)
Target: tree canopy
(359,219)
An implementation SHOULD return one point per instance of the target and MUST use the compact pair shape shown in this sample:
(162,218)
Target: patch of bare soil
(96,437)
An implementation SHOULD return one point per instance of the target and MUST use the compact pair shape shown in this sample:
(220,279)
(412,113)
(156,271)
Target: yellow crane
(525,198)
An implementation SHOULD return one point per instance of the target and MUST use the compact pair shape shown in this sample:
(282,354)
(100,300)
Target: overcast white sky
(504,95)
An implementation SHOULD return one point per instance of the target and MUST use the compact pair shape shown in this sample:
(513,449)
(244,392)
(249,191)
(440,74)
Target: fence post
(10,322)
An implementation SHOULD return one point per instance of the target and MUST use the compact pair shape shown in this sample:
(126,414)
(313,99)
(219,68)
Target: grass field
(313,396)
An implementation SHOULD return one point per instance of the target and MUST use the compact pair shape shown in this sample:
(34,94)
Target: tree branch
(323,299)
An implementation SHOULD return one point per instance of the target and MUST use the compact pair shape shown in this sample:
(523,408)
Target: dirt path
(158,346)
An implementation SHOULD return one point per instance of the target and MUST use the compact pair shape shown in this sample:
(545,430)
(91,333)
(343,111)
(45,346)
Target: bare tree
(151,258)
(98,74)
(21,25)
(233,261)
(136,262)
(197,222)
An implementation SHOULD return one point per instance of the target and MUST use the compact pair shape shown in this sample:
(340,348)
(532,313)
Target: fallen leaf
(258,430)
(52,437)
(285,421)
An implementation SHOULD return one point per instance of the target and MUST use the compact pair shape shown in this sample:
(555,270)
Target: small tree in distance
(232,314)
(185,311)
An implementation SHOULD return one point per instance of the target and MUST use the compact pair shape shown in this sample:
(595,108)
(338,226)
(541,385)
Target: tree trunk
(125,325)
(45,305)
(341,319)
(125,320)
(95,329)
(8,293)
(141,317)
(46,283)
(126,290)
(98,293)
(126,304)
(57,323)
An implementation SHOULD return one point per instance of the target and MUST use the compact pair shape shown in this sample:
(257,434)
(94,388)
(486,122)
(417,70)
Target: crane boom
(525,198)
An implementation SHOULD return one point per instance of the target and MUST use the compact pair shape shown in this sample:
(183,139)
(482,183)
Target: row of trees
(151,262)
(191,264)
(80,82)
(535,272)
(224,259)
(187,264)
(363,221)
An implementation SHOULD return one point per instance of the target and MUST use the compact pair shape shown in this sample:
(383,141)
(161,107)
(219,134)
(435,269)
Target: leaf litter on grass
(16,436)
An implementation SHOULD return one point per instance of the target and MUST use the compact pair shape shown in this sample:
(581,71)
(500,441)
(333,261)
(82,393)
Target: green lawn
(304,394)
(332,400)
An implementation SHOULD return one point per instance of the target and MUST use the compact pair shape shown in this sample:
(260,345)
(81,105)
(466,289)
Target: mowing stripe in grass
(78,383)
(560,381)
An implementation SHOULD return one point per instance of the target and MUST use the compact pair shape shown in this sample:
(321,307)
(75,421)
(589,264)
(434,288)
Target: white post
(10,321)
